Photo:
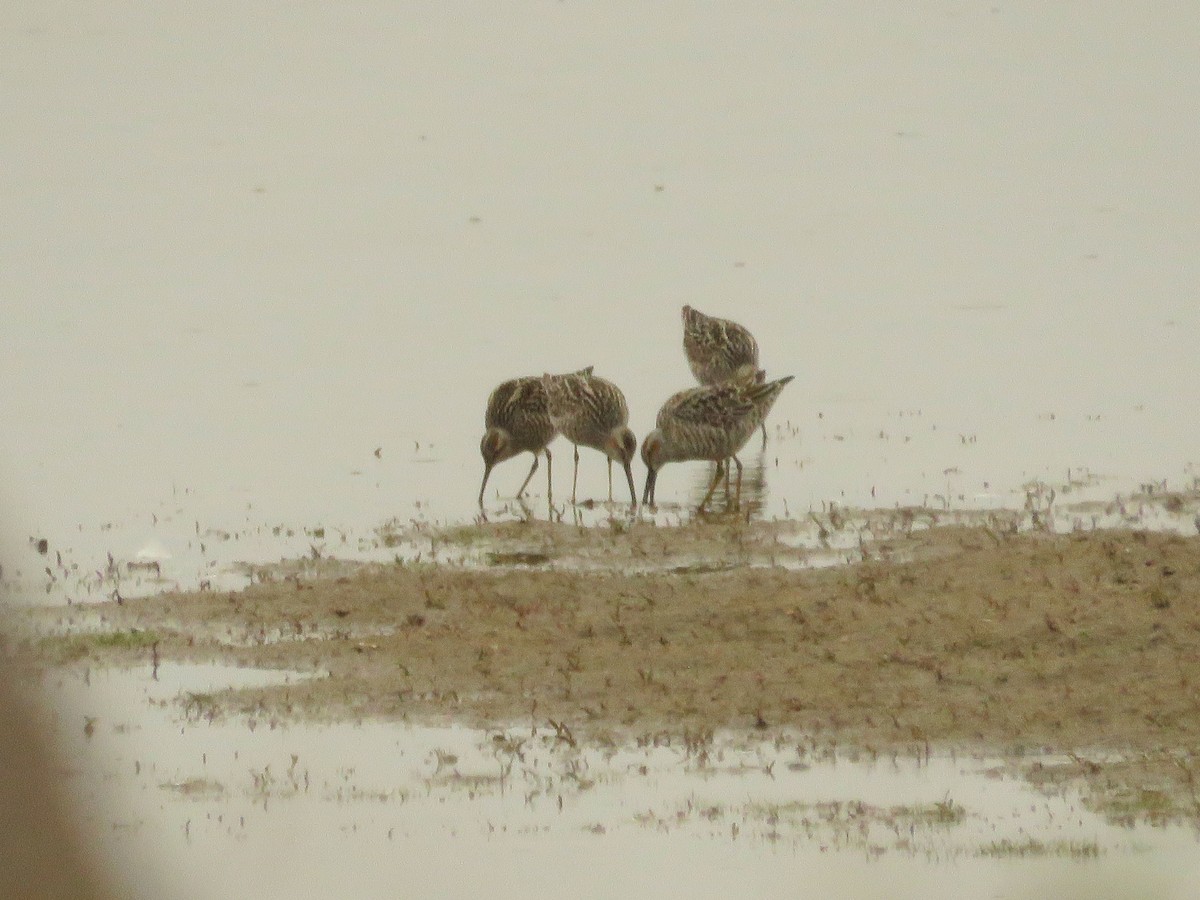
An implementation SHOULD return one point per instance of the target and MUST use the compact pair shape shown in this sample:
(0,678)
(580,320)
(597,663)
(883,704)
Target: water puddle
(593,536)
(192,806)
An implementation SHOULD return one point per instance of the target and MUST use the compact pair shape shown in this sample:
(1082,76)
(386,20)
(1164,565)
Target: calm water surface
(200,808)
(244,252)
(262,264)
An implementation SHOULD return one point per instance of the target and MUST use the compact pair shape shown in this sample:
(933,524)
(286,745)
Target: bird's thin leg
(610,479)
(525,483)
(575,477)
(764,431)
(737,503)
(712,487)
(549,480)
(727,480)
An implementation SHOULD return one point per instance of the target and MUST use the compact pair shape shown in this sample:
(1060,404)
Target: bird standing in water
(711,422)
(592,412)
(718,350)
(518,420)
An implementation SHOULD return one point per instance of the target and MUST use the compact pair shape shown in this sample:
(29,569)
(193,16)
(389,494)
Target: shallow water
(261,270)
(191,807)
(261,273)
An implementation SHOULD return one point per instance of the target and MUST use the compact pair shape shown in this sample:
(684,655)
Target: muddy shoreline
(947,638)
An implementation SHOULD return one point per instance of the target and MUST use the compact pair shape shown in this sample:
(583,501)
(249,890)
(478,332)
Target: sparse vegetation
(1007,849)
(98,645)
(951,637)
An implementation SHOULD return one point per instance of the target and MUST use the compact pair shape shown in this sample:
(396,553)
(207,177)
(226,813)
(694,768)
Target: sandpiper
(716,348)
(518,420)
(591,412)
(719,350)
(711,422)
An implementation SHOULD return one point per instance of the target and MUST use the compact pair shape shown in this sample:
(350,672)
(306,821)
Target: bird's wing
(515,397)
(716,406)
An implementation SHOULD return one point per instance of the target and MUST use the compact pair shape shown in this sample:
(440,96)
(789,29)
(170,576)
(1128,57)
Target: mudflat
(950,637)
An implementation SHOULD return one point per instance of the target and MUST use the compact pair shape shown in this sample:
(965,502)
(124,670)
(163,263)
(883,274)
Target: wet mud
(979,637)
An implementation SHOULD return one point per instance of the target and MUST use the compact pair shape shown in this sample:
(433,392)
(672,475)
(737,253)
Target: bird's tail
(692,318)
(764,394)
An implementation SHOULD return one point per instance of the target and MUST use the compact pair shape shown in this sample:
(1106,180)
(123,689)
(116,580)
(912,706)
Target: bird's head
(652,450)
(653,456)
(621,445)
(496,447)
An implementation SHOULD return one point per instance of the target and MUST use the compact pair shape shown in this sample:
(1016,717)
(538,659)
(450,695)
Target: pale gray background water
(245,244)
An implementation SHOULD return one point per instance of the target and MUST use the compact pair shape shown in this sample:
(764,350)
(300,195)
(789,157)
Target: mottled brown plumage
(592,412)
(718,350)
(518,420)
(712,422)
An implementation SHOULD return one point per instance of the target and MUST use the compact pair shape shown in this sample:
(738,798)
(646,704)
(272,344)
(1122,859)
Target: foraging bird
(591,412)
(518,420)
(718,350)
(710,422)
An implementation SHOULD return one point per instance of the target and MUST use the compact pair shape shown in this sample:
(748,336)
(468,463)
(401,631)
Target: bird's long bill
(487,470)
(632,489)
(648,493)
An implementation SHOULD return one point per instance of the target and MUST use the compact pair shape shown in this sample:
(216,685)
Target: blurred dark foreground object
(42,854)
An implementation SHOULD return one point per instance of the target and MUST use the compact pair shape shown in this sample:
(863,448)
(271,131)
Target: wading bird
(719,350)
(518,420)
(591,412)
(711,422)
